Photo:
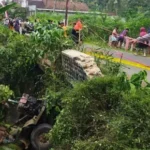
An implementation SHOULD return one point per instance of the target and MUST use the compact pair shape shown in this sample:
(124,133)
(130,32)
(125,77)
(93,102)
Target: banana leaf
(7,7)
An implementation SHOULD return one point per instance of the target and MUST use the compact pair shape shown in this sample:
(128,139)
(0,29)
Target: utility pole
(66,14)
(54,6)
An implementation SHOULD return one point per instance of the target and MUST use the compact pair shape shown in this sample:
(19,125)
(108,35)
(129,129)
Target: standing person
(17,25)
(142,32)
(78,28)
(114,37)
(6,22)
(74,34)
(121,37)
(78,25)
(22,27)
(142,45)
(62,25)
(11,25)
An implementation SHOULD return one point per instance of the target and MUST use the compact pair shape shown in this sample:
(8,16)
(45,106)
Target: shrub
(103,114)
(5,93)
(86,113)
(20,56)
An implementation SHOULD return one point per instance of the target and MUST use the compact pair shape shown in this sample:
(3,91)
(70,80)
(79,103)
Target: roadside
(133,63)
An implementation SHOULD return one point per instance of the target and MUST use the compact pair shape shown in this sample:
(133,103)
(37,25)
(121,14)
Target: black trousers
(75,36)
(142,45)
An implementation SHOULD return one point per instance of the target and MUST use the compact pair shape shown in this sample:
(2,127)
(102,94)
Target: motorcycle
(32,125)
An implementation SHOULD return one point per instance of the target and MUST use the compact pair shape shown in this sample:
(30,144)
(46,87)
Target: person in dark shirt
(74,34)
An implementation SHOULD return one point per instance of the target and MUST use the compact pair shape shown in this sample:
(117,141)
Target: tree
(7,7)
(121,7)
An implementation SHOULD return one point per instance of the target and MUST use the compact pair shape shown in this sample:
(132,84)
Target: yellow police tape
(123,61)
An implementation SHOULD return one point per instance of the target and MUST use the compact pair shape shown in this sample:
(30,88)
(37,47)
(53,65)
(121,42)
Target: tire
(35,139)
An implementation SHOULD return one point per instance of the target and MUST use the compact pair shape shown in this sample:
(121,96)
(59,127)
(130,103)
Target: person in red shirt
(78,27)
(144,44)
(142,31)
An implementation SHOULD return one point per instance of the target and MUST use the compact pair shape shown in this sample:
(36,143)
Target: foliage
(99,30)
(98,27)
(85,114)
(123,8)
(135,24)
(104,115)
(132,121)
(9,147)
(51,39)
(57,88)
(5,93)
(20,55)
(44,17)
(18,12)
(137,81)
(107,66)
(17,60)
(7,7)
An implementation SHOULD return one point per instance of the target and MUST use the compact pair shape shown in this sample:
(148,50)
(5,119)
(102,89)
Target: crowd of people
(117,38)
(24,26)
(142,42)
(19,25)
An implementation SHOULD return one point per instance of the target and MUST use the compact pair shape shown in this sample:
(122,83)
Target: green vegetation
(20,56)
(5,93)
(106,113)
(18,11)
(127,9)
(97,28)
(7,7)
(9,147)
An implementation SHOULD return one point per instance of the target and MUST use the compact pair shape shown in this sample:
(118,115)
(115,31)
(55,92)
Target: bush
(135,24)
(20,57)
(132,124)
(86,113)
(5,93)
(103,114)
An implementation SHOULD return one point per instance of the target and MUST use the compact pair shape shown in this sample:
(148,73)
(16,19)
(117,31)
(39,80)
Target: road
(133,63)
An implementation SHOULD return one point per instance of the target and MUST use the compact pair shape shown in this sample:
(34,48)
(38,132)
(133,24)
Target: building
(61,5)
(54,4)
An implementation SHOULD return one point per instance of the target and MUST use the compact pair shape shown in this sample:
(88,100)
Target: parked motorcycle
(32,125)
(28,28)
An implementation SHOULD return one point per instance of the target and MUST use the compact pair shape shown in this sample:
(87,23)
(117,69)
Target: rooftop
(60,5)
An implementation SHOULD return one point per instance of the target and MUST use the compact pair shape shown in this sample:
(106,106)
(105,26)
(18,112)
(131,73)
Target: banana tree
(4,8)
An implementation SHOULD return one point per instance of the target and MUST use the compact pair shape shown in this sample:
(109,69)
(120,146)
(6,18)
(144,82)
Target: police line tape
(118,60)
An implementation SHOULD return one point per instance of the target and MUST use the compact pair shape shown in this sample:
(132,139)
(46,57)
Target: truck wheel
(38,137)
